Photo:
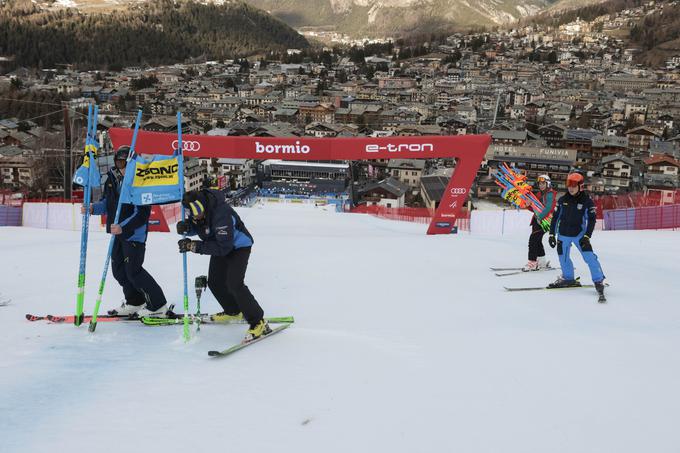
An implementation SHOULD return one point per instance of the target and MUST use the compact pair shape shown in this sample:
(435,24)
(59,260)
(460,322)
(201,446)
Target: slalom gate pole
(84,229)
(128,176)
(187,333)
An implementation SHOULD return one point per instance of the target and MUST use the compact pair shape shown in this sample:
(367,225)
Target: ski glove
(552,241)
(584,242)
(183,227)
(187,245)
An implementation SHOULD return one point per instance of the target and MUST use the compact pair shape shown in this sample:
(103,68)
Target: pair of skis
(504,271)
(600,297)
(203,318)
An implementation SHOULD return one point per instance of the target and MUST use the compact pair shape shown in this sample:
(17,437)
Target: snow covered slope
(403,343)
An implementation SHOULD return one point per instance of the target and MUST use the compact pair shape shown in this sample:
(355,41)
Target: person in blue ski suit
(574,222)
(226,239)
(143,296)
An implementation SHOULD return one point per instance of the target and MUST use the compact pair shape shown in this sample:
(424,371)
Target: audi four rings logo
(458,191)
(187,145)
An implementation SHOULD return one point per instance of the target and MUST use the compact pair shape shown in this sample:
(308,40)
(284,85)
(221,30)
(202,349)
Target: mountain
(159,31)
(394,17)
(377,18)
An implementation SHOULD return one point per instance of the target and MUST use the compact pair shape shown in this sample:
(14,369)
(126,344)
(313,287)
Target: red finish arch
(468,150)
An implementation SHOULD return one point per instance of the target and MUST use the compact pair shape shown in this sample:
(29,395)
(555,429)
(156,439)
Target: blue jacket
(574,215)
(133,219)
(222,230)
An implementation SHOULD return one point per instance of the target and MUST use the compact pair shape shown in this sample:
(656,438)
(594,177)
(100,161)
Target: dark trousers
(226,276)
(139,287)
(536,240)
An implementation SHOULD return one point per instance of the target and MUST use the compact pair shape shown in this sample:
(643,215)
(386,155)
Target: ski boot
(126,309)
(257,330)
(542,263)
(227,318)
(531,266)
(561,282)
(599,286)
(145,312)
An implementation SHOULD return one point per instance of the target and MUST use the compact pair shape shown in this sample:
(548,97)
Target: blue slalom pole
(84,230)
(126,179)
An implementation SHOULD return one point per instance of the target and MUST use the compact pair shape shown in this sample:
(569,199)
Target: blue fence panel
(10,216)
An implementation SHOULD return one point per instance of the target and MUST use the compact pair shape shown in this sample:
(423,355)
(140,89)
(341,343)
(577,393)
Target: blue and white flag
(84,175)
(153,180)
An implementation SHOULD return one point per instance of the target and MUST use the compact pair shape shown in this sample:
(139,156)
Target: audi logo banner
(468,150)
(187,145)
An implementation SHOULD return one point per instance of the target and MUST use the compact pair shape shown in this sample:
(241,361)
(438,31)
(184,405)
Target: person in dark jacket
(143,296)
(226,239)
(574,222)
(547,196)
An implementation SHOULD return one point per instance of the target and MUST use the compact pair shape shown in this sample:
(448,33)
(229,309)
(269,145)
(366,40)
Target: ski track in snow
(403,342)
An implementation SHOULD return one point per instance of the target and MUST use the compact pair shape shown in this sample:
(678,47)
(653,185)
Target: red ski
(71,318)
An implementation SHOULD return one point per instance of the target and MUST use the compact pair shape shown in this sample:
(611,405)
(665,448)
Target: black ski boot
(599,286)
(561,282)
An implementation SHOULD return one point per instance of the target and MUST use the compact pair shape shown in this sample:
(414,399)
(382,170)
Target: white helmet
(544,178)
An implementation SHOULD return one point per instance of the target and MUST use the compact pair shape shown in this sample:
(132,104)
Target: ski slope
(402,343)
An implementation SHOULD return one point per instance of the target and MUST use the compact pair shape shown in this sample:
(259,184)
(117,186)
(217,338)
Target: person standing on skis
(226,239)
(574,222)
(548,198)
(143,296)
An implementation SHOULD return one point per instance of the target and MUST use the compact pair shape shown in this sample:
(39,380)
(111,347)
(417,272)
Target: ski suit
(129,247)
(227,240)
(574,218)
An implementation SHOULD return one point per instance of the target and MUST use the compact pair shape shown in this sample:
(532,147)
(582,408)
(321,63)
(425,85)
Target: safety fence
(67,216)
(645,218)
(407,214)
(10,216)
(57,216)
(172,212)
(636,200)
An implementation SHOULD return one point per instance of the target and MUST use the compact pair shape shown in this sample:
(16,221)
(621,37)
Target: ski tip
(78,320)
(31,317)
(214,353)
(93,326)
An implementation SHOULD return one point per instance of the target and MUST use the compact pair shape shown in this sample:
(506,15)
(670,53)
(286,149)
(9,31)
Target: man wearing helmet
(226,239)
(129,246)
(546,194)
(574,222)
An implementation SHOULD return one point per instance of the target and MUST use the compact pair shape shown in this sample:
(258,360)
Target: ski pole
(128,176)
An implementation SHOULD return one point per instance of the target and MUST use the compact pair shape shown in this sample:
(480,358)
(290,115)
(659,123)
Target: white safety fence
(503,222)
(57,216)
(499,222)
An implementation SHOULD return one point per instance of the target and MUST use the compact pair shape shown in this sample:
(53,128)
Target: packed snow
(403,342)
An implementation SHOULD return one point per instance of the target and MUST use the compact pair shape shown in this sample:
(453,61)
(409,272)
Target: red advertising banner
(157,221)
(468,150)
